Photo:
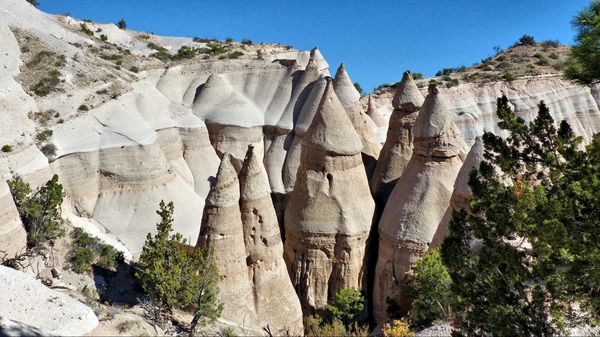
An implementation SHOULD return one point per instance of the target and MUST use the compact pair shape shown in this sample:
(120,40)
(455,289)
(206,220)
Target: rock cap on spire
(331,129)
(407,95)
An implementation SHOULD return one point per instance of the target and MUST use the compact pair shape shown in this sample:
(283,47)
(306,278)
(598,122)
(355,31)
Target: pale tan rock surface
(418,202)
(13,238)
(462,191)
(329,214)
(222,231)
(397,149)
(274,297)
(26,300)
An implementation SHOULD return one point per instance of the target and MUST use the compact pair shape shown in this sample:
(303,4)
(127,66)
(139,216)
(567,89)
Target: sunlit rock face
(274,297)
(328,216)
(418,202)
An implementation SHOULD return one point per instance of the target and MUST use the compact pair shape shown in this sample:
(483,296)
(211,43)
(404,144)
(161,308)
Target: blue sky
(377,40)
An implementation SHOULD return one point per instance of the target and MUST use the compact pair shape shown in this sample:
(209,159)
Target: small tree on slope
(174,275)
(535,220)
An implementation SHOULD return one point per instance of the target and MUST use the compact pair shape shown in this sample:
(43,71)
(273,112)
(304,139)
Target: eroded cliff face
(328,217)
(474,105)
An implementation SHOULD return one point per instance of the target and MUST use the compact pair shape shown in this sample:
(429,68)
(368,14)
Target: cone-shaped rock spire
(418,202)
(407,96)
(331,130)
(330,209)
(344,88)
(398,145)
(222,230)
(274,295)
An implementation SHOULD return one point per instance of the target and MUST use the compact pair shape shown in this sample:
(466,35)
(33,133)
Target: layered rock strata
(274,297)
(418,202)
(328,217)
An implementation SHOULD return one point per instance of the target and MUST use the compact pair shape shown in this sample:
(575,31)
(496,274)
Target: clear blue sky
(377,40)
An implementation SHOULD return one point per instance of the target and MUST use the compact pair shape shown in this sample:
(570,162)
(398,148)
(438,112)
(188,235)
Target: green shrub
(185,52)
(508,76)
(103,37)
(47,84)
(542,62)
(86,30)
(228,332)
(48,150)
(236,54)
(429,289)
(43,136)
(358,88)
(553,56)
(83,107)
(39,210)
(81,260)
(88,250)
(247,42)
(417,76)
(347,304)
(7,148)
(525,40)
(228,40)
(122,24)
(168,271)
(134,69)
(314,326)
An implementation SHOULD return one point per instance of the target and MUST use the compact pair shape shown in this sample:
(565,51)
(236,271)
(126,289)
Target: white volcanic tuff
(418,201)
(328,216)
(474,106)
(28,301)
(121,188)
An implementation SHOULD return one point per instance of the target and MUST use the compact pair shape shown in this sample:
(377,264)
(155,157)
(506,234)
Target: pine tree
(208,307)
(166,271)
(527,246)
(584,62)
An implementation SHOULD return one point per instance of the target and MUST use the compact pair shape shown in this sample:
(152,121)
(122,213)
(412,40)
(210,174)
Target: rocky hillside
(253,140)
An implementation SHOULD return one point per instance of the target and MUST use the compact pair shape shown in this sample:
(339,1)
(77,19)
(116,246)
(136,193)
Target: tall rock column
(418,202)
(365,126)
(274,296)
(222,230)
(328,217)
(398,146)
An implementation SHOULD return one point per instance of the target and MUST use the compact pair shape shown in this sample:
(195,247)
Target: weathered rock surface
(32,306)
(474,105)
(274,297)
(222,230)
(397,149)
(418,201)
(329,214)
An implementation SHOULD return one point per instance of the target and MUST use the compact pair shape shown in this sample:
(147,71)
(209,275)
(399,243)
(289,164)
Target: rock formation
(418,202)
(349,97)
(397,149)
(222,230)
(328,217)
(374,114)
(461,192)
(274,296)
